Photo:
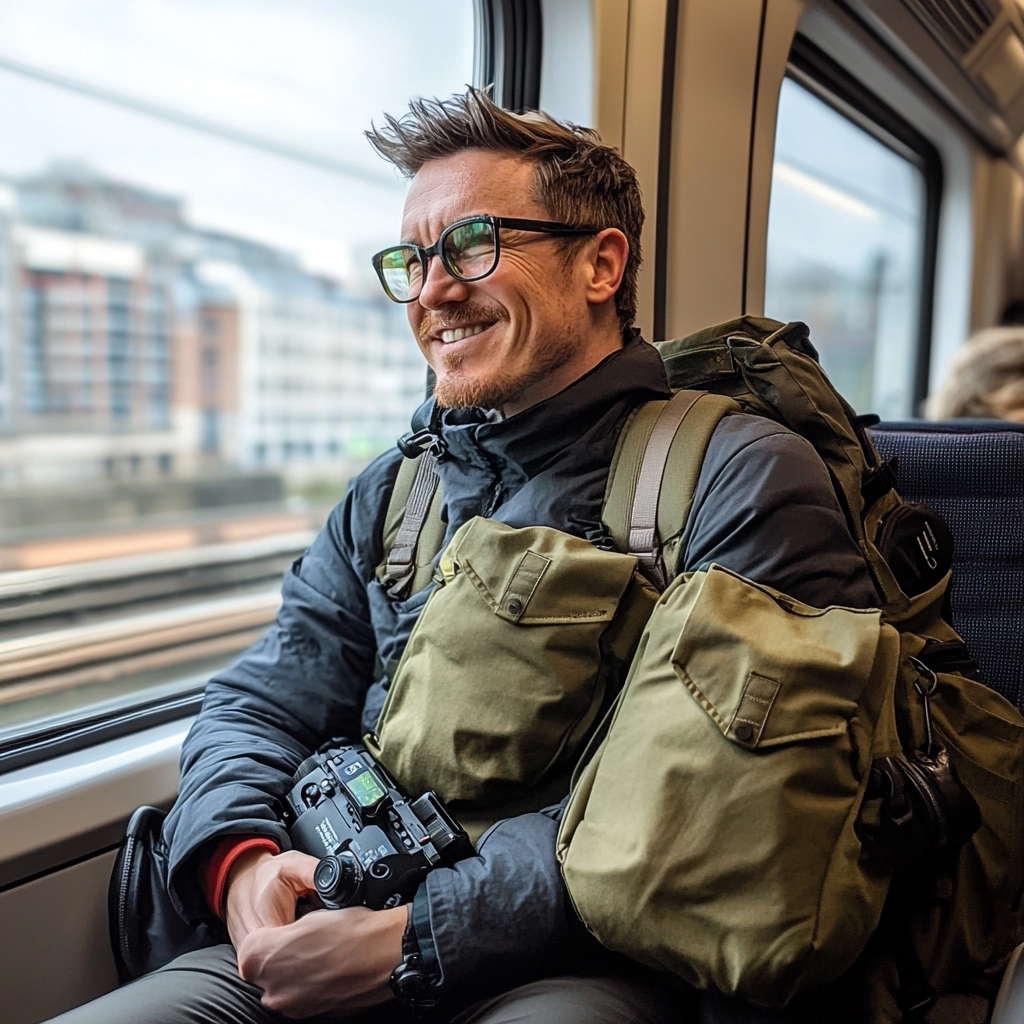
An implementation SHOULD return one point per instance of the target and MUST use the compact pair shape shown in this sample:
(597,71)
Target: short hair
(985,379)
(578,179)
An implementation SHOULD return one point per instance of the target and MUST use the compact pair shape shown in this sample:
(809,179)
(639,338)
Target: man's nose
(439,287)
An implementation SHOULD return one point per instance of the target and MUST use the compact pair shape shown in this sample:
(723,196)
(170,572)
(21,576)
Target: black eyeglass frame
(547,227)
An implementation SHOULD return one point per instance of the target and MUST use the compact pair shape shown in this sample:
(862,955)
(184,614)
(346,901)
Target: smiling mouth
(453,334)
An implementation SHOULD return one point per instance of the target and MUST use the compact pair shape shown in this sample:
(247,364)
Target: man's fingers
(264,891)
(297,870)
(252,955)
(337,960)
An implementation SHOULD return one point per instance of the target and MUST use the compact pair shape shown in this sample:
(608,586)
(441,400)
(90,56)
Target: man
(528,331)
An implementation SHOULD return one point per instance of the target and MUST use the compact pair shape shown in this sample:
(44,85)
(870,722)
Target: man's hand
(329,960)
(262,890)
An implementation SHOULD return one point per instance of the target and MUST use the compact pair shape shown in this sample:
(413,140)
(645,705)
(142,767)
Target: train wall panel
(54,944)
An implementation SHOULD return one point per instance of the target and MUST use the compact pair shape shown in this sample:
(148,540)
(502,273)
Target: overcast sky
(309,74)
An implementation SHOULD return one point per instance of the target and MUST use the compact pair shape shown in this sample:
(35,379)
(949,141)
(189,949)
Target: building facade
(133,343)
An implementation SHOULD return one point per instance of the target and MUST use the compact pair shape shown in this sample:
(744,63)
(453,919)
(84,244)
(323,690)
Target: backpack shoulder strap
(413,528)
(654,455)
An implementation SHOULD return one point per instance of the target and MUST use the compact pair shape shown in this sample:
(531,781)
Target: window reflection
(845,239)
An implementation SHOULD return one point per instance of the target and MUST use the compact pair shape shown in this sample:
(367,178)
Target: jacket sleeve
(503,918)
(765,508)
(300,684)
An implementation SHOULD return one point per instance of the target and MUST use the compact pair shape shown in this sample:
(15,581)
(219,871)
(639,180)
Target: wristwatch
(410,981)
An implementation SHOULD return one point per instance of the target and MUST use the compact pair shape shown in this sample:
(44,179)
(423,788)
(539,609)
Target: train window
(851,237)
(195,354)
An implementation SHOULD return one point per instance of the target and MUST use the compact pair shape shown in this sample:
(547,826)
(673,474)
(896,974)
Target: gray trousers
(204,988)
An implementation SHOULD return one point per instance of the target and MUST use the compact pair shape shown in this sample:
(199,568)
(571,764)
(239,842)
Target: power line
(199,124)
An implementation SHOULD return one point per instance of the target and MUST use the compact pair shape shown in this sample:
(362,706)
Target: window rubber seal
(507,52)
(66,737)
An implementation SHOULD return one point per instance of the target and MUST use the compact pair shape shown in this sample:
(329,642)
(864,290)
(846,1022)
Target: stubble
(456,390)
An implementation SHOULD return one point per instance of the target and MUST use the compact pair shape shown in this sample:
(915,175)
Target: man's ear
(608,254)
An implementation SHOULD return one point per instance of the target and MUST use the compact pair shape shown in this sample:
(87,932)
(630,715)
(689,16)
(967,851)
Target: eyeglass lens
(468,252)
(402,273)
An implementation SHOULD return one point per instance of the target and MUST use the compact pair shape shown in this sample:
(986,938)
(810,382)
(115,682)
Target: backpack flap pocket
(509,664)
(557,580)
(712,833)
(770,670)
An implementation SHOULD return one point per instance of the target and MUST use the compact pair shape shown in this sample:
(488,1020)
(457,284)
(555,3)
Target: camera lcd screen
(365,788)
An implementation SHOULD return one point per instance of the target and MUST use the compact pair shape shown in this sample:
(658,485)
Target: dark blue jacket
(764,507)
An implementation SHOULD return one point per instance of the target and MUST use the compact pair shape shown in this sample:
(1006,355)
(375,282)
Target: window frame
(814,70)
(507,51)
(50,740)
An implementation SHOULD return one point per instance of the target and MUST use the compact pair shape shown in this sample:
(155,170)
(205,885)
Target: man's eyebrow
(465,216)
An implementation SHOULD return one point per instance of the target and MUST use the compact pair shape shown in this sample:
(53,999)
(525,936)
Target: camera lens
(338,879)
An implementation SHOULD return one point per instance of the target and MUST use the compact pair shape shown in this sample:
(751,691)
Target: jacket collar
(522,445)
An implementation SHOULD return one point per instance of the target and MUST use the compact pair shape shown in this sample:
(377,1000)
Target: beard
(456,390)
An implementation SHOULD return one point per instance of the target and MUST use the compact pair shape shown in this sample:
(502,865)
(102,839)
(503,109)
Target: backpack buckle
(413,445)
(396,581)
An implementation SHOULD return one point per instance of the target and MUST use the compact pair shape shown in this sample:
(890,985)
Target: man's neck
(594,352)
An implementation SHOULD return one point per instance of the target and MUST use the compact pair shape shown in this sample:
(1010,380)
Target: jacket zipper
(494,501)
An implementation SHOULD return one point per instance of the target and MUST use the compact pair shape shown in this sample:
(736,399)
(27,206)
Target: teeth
(458,333)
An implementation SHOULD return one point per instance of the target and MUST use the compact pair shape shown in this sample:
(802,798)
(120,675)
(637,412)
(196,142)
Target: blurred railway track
(90,547)
(106,619)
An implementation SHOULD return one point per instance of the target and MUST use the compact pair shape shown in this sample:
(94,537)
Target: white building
(86,361)
(135,344)
(326,380)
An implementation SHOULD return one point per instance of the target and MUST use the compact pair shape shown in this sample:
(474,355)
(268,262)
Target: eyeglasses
(469,250)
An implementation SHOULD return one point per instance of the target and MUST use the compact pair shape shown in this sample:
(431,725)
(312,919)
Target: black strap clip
(413,445)
(429,439)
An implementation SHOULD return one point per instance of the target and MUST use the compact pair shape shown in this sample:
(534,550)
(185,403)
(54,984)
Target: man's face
(505,341)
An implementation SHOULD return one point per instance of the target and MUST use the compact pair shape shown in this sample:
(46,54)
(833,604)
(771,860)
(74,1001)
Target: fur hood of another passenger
(764,508)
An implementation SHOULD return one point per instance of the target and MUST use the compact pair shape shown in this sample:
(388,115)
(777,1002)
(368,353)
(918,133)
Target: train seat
(972,473)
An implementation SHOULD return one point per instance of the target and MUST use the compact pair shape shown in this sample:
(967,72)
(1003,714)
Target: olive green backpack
(772,780)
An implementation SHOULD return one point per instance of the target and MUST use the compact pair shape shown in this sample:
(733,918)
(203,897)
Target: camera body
(375,845)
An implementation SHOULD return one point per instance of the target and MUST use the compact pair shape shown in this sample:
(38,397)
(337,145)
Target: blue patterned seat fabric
(972,473)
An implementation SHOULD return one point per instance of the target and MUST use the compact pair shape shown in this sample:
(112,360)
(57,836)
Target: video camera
(375,844)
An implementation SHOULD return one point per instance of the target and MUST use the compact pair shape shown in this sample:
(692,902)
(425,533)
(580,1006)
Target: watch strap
(411,983)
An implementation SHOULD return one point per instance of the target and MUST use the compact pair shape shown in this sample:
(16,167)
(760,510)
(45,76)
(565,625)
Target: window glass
(195,353)
(845,242)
